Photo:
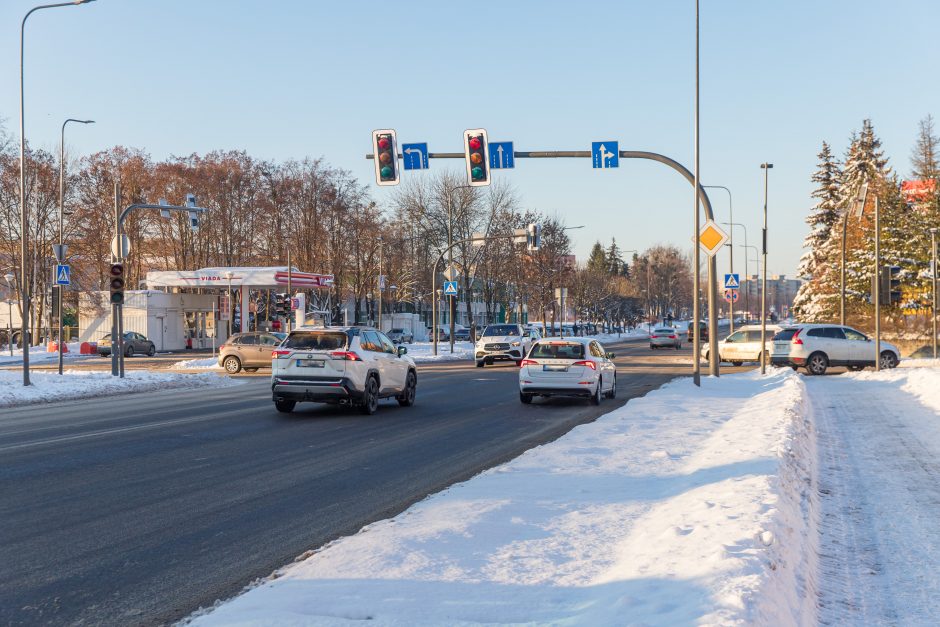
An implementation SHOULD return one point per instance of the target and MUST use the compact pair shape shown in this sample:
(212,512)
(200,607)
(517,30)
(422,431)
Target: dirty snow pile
(207,363)
(47,387)
(685,506)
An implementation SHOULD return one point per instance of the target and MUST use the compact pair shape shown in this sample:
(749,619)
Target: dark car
(462,334)
(134,344)
(702,331)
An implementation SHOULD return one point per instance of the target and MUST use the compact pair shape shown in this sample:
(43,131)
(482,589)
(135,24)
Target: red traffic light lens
(475,143)
(384,143)
(117,269)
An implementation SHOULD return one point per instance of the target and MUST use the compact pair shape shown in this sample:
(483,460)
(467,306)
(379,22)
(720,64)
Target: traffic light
(534,236)
(475,153)
(891,285)
(385,156)
(117,283)
(281,305)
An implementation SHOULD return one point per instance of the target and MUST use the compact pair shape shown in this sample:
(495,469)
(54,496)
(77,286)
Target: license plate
(309,363)
(547,368)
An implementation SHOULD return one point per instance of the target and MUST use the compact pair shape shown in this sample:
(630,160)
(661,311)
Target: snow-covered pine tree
(615,263)
(818,297)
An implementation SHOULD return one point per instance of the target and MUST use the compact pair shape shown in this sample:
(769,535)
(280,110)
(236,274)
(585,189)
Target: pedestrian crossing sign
(732,282)
(450,288)
(63,275)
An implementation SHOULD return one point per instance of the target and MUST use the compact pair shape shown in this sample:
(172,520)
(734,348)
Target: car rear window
(785,335)
(558,350)
(315,340)
(664,331)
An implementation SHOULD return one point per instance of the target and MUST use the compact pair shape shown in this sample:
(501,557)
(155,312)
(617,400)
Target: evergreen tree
(597,260)
(615,264)
(819,294)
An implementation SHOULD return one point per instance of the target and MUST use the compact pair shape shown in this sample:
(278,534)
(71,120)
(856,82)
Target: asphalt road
(139,509)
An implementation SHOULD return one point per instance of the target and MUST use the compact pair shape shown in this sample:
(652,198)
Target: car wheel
(129,351)
(284,406)
(232,364)
(251,370)
(526,399)
(488,362)
(888,360)
(598,394)
(407,398)
(151,351)
(817,364)
(370,397)
(480,364)
(737,363)
(613,389)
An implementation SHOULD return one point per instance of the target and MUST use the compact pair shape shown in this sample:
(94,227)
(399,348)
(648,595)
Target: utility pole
(696,279)
(877,286)
(381,282)
(763,290)
(933,310)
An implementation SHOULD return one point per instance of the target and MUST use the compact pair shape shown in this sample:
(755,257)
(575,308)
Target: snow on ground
(207,363)
(879,443)
(685,506)
(38,354)
(423,352)
(48,387)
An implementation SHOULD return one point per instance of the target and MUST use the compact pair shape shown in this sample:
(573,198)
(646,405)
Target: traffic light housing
(890,285)
(475,148)
(385,156)
(534,236)
(116,283)
(281,305)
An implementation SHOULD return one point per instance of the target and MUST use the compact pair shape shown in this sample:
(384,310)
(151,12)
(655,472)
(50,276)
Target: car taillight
(528,362)
(586,364)
(279,354)
(347,355)
(796,338)
(223,347)
(654,336)
(673,337)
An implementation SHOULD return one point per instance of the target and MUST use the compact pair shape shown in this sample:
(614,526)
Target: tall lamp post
(747,294)
(763,292)
(60,250)
(24,216)
(756,260)
(9,279)
(933,273)
(731,247)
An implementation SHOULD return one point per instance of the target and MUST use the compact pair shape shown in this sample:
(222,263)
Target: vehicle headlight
(516,344)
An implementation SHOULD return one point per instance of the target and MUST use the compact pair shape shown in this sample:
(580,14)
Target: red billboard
(918,191)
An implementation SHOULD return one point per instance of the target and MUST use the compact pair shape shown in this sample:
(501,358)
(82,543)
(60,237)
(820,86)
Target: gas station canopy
(261,278)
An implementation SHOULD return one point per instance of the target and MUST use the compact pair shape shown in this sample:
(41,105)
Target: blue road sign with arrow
(450,288)
(605,155)
(732,282)
(415,156)
(501,156)
(63,275)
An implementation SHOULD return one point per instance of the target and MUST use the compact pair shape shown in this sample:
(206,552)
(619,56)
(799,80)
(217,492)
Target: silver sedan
(665,337)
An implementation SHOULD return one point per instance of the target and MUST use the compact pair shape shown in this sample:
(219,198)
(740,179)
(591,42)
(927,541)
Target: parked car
(134,344)
(248,351)
(400,336)
(443,333)
(744,344)
(461,334)
(572,366)
(819,346)
(665,337)
(341,365)
(502,342)
(702,331)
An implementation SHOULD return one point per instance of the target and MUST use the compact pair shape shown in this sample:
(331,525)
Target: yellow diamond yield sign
(711,238)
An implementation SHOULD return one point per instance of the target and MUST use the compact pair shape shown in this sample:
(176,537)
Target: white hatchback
(573,366)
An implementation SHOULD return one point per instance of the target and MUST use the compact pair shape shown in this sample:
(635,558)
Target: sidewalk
(685,506)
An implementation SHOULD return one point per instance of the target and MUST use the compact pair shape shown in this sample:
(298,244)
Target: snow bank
(423,352)
(39,354)
(685,506)
(207,363)
(48,387)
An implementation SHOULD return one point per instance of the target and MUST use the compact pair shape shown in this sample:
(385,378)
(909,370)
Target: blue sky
(292,79)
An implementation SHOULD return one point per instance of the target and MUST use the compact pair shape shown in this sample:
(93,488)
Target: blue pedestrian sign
(501,156)
(732,282)
(63,275)
(450,288)
(415,156)
(605,155)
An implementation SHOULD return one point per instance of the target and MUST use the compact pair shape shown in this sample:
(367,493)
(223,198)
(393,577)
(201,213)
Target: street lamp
(60,250)
(24,216)
(9,279)
(731,238)
(763,293)
(933,310)
(747,297)
(756,261)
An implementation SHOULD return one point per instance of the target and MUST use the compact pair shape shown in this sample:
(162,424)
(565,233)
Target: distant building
(780,294)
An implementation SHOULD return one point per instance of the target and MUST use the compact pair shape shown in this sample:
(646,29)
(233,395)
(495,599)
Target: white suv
(341,365)
(502,342)
(818,346)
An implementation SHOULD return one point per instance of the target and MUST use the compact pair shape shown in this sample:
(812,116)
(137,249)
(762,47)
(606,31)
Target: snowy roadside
(206,363)
(39,354)
(685,506)
(423,352)
(48,387)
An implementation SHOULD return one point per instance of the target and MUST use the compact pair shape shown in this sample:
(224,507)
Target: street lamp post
(763,292)
(933,274)
(60,251)
(747,294)
(24,216)
(9,279)
(756,260)
(731,248)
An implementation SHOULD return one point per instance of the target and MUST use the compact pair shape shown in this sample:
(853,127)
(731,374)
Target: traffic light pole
(115,311)
(649,156)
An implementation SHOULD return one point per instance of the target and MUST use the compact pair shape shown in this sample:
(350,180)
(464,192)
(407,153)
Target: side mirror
(402,351)
(611,355)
